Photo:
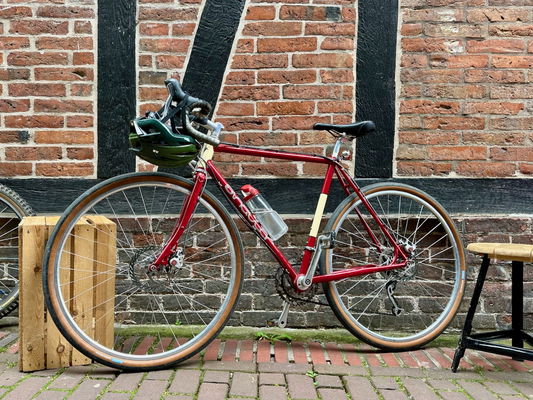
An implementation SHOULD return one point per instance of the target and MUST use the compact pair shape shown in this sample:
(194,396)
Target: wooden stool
(518,254)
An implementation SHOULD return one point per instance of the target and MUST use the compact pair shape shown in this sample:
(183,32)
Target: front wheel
(404,308)
(104,291)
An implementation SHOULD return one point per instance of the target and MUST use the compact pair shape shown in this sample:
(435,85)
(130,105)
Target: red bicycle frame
(334,168)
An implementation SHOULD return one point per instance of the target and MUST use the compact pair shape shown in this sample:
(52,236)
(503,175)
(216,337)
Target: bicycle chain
(289,294)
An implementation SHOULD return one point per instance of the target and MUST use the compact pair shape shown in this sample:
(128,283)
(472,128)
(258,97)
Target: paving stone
(213,391)
(272,392)
(89,389)
(11,376)
(442,384)
(526,388)
(398,371)
(244,384)
(418,389)
(271,379)
(332,394)
(178,397)
(116,396)
(216,376)
(243,366)
(360,388)
(453,395)
(46,372)
(330,381)
(101,371)
(394,395)
(27,389)
(384,382)
(53,395)
(151,389)
(301,387)
(476,390)
(66,381)
(284,368)
(185,381)
(508,376)
(163,375)
(340,369)
(126,382)
(500,387)
(448,374)
(511,397)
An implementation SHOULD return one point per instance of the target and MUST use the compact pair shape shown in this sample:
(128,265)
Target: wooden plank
(104,280)
(58,349)
(82,284)
(32,234)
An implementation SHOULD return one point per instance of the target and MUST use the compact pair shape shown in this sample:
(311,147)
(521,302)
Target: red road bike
(389,260)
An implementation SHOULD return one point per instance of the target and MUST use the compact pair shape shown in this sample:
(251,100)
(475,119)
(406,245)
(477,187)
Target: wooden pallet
(88,262)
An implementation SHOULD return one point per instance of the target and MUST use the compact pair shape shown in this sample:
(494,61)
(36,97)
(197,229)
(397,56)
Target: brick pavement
(253,370)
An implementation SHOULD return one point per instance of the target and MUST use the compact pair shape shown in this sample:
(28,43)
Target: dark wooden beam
(116,85)
(299,196)
(376,87)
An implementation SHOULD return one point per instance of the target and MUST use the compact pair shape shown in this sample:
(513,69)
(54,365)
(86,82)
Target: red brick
(311,92)
(490,76)
(183,29)
(337,43)
(485,169)
(39,27)
(80,121)
(261,61)
(306,13)
(493,108)
(15,12)
(64,137)
(511,154)
(65,43)
(244,123)
(64,169)
(323,60)
(63,106)
(512,30)
(236,109)
(250,93)
(454,123)
(154,29)
(459,61)
(164,45)
(512,61)
(495,46)
(286,108)
(15,169)
(296,77)
(337,76)
(64,74)
(285,45)
(429,107)
(12,42)
(258,13)
(81,153)
(442,153)
(497,15)
(65,12)
(27,153)
(242,78)
(169,62)
(8,105)
(33,121)
(272,29)
(330,29)
(168,14)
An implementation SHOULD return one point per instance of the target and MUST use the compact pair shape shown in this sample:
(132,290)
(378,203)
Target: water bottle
(269,219)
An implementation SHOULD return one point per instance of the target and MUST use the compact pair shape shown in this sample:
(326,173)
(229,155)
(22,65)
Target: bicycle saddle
(355,130)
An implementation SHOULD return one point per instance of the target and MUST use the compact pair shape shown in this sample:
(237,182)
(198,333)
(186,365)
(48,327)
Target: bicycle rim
(403,308)
(12,209)
(100,289)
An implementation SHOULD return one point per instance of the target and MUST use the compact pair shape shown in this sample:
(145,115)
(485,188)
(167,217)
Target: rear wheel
(403,308)
(12,209)
(104,295)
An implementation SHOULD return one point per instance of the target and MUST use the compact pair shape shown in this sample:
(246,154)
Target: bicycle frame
(206,167)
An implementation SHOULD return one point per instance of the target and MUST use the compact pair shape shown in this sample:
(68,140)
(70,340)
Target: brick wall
(47,88)
(466,94)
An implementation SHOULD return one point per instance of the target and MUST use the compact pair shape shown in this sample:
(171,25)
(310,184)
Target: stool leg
(467,329)
(517,303)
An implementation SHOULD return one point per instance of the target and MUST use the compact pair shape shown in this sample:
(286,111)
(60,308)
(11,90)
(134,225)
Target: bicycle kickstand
(282,320)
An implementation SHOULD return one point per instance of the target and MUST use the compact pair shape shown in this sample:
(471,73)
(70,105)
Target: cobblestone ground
(297,371)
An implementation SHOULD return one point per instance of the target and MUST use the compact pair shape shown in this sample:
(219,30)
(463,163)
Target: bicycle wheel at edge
(101,293)
(427,292)
(12,209)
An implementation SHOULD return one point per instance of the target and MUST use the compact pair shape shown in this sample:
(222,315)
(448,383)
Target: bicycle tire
(201,289)
(425,295)
(12,209)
